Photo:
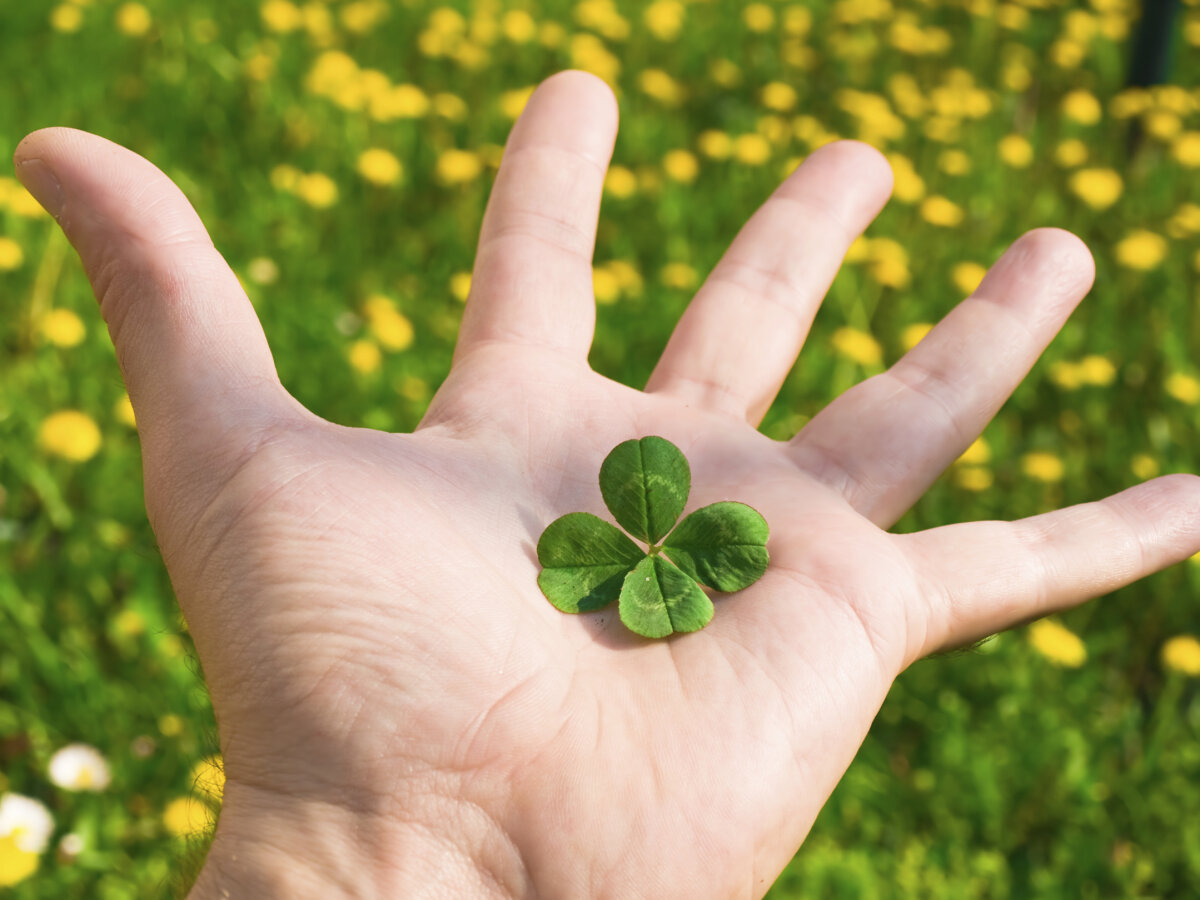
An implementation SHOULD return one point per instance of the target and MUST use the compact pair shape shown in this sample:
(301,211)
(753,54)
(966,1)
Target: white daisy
(27,821)
(78,767)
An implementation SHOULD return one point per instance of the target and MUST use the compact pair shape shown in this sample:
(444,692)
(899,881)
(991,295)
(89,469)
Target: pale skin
(401,712)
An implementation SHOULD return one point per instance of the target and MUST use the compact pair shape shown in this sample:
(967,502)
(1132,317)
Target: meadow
(341,152)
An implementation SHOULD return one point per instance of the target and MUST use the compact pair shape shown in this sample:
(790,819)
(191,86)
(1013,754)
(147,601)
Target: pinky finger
(983,577)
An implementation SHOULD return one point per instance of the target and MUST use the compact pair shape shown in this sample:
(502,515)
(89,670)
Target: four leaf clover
(587,563)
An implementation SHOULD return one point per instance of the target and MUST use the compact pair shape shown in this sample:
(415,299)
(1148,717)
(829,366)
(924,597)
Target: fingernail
(39,180)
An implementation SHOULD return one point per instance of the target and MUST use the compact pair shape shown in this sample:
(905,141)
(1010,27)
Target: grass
(997,772)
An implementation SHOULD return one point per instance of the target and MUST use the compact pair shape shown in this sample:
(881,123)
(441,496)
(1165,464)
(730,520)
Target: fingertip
(1070,246)
(584,84)
(573,111)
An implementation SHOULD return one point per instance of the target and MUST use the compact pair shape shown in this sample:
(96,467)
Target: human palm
(366,607)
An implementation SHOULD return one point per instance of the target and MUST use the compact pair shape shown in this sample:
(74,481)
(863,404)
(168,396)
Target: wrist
(269,846)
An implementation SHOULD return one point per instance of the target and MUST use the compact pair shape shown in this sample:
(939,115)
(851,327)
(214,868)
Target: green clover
(588,563)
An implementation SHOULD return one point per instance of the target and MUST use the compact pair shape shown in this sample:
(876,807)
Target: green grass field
(1048,762)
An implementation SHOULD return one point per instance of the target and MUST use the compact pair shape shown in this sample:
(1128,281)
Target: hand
(401,712)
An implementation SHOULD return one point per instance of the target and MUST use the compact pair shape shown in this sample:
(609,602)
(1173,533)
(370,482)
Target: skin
(401,712)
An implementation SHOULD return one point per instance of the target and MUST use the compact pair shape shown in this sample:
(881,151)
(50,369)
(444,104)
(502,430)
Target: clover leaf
(587,563)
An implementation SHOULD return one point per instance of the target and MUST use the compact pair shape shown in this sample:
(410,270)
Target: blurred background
(341,153)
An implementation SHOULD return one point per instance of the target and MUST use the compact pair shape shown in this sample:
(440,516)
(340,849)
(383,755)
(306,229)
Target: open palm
(401,711)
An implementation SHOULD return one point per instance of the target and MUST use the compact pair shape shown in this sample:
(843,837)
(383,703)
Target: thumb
(192,352)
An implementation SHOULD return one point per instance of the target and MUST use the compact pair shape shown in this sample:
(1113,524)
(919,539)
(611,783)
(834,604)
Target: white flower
(71,845)
(78,767)
(27,820)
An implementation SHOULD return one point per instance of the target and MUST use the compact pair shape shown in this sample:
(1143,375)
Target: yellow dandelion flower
(660,86)
(23,203)
(1059,645)
(317,190)
(715,144)
(1067,54)
(187,816)
(512,103)
(915,333)
(1162,124)
(1130,102)
(627,275)
(1066,375)
(449,106)
(66,17)
(460,286)
(907,185)
(1182,653)
(1184,388)
(1015,76)
(123,411)
(11,255)
(1141,250)
(954,162)
(1185,221)
(1070,153)
(518,26)
(751,149)
(605,287)
(779,96)
(458,166)
(281,16)
(973,478)
(208,778)
(1012,17)
(1143,466)
(797,21)
(365,356)
(978,454)
(1042,466)
(170,725)
(129,623)
(678,275)
(857,346)
(403,101)
(589,53)
(888,263)
(551,35)
(1080,25)
(379,166)
(1015,150)
(1081,106)
(681,165)
(362,16)
(70,434)
(1097,370)
(602,16)
(390,327)
(664,19)
(941,211)
(318,22)
(859,249)
(1098,188)
(620,182)
(1186,149)
(758,17)
(967,276)
(725,73)
(133,19)
(62,328)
